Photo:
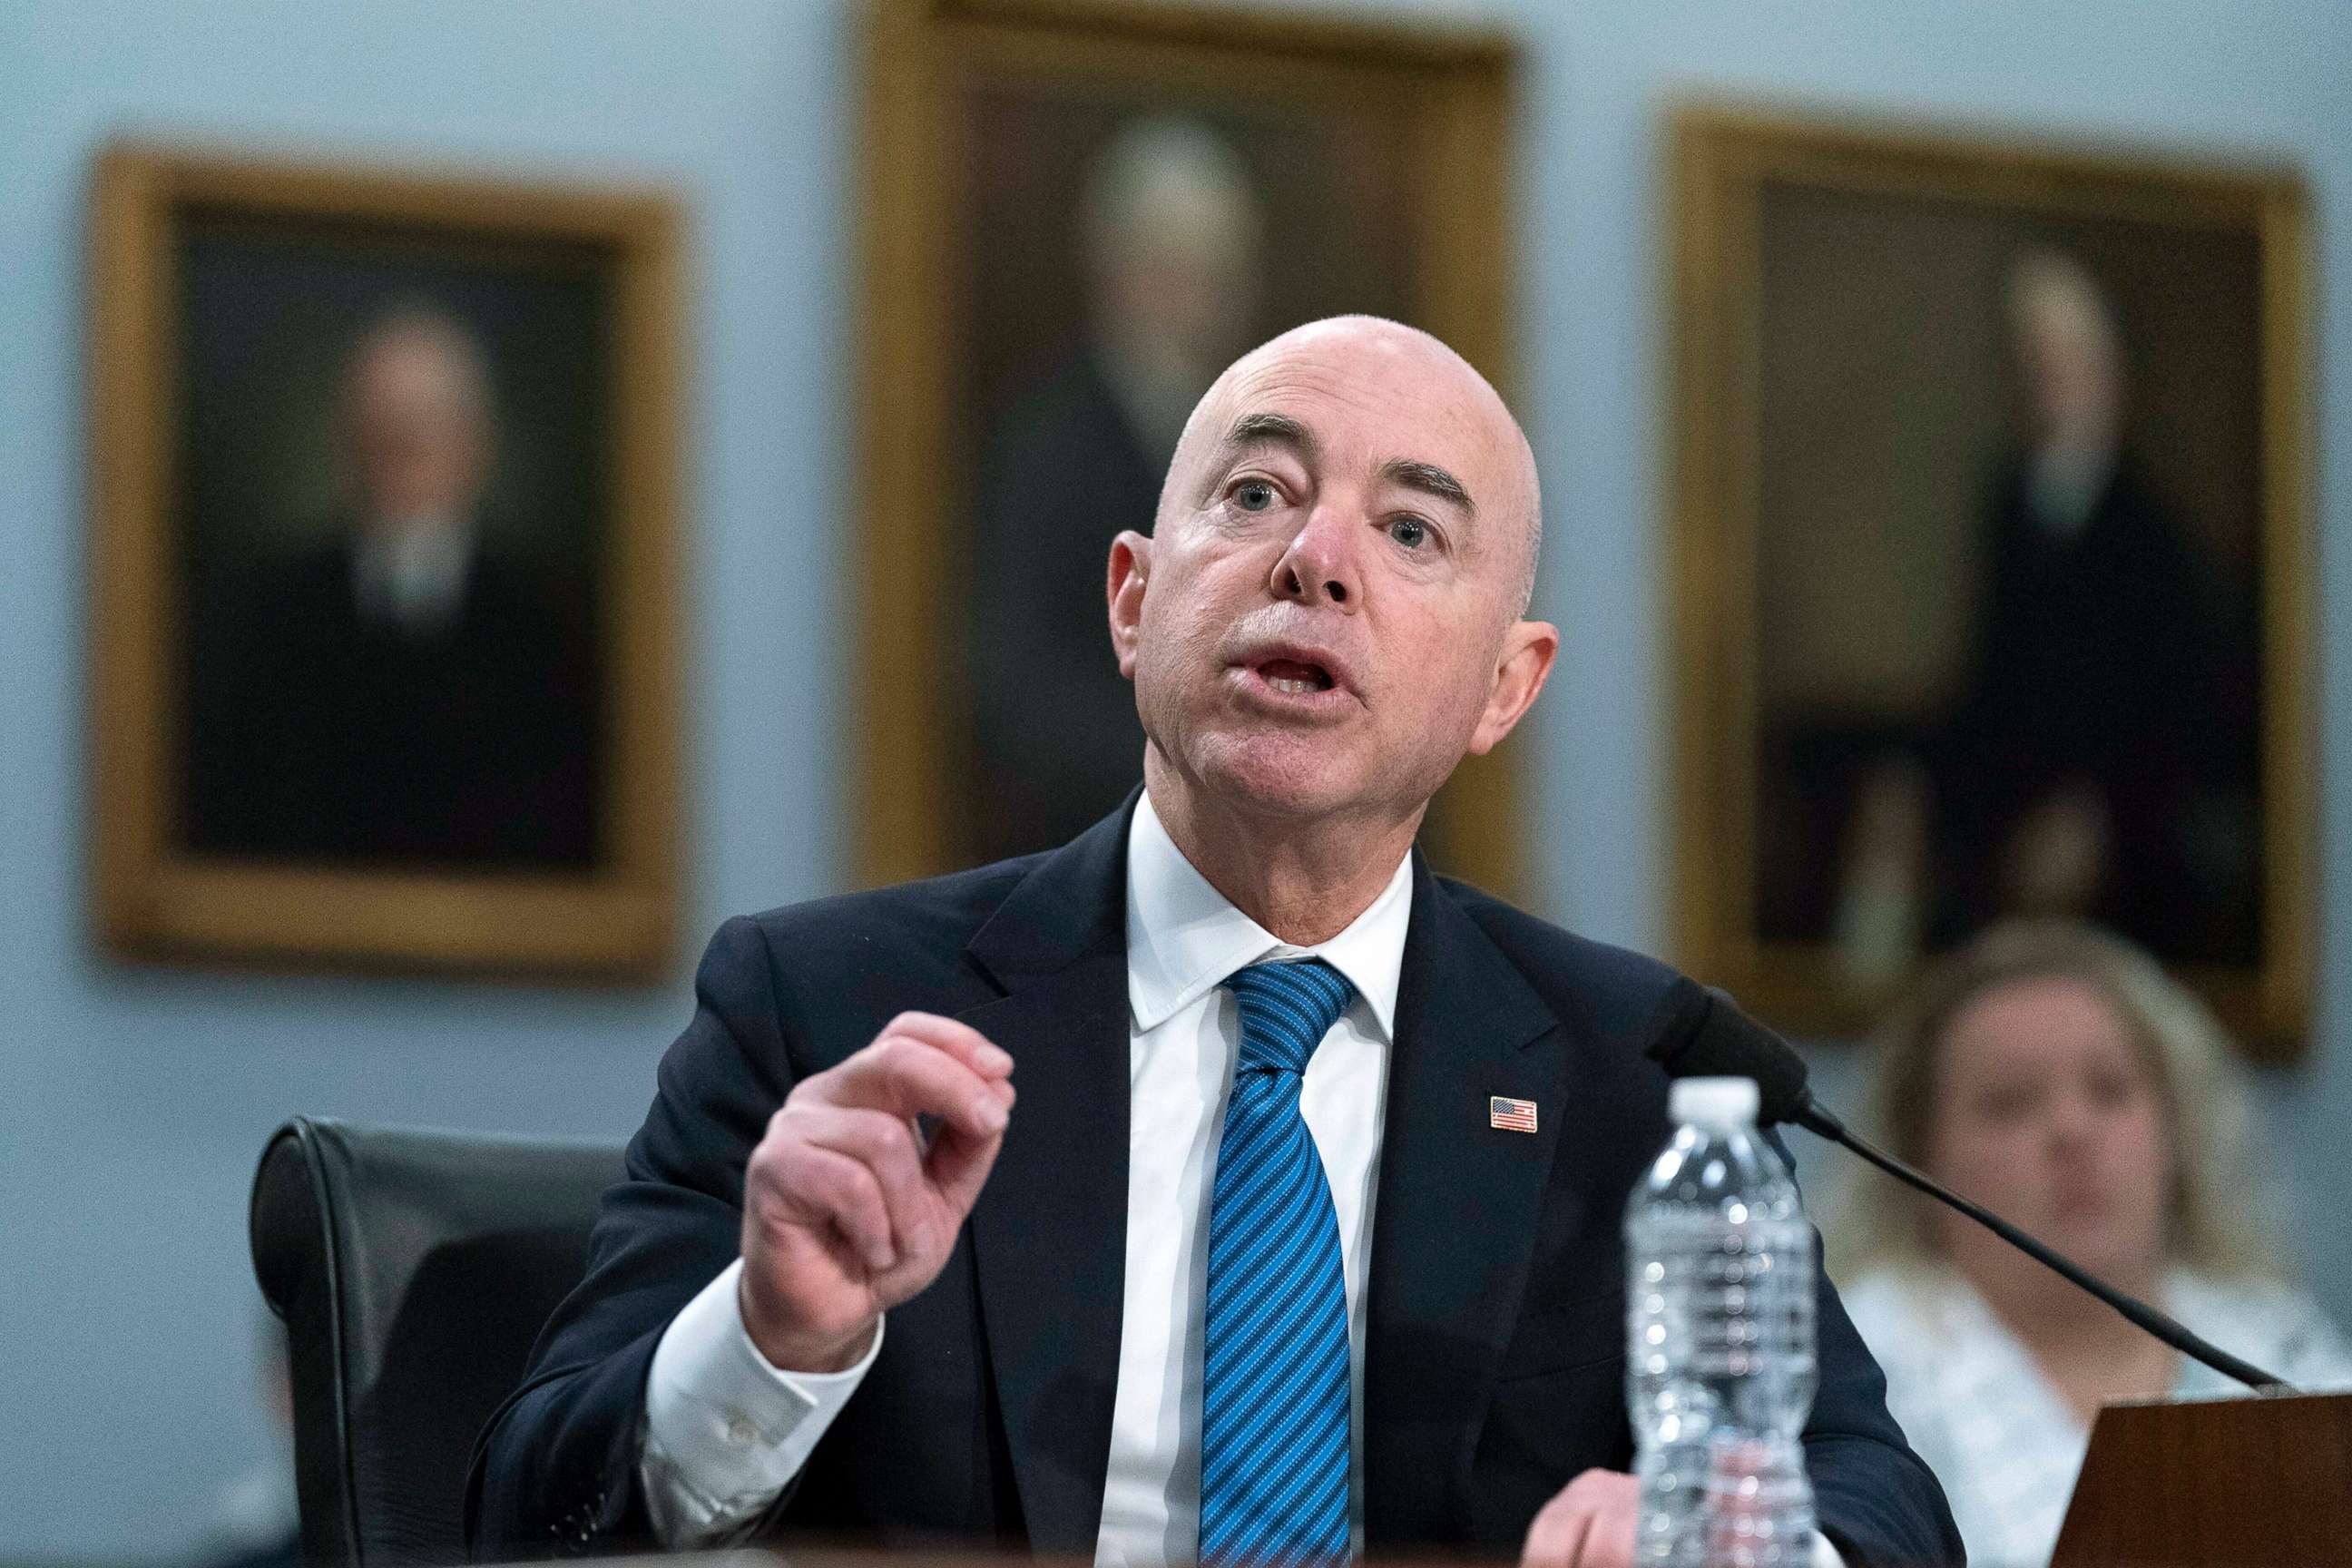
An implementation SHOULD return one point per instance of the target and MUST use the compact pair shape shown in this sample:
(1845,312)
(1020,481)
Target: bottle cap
(1715,1101)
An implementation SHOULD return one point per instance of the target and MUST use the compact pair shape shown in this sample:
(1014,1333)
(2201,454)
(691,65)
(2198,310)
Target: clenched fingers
(815,1188)
(907,1074)
(1556,1539)
(1591,1524)
(961,1041)
(886,1146)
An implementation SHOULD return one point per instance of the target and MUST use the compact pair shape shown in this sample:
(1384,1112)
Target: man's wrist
(813,1354)
(725,1430)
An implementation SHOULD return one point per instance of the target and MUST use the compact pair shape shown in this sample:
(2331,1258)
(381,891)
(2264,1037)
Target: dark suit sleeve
(555,1471)
(1875,1499)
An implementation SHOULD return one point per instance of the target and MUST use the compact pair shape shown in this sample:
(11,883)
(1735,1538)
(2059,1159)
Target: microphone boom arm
(1809,1114)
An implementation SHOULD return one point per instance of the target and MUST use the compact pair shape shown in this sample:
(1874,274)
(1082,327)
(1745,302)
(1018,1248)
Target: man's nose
(1320,565)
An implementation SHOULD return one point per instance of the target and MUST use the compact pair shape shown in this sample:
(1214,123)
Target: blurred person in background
(400,692)
(1170,227)
(2056,1075)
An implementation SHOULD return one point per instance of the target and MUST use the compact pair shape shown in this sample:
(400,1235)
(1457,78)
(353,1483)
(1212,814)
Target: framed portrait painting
(1076,215)
(1993,561)
(383,567)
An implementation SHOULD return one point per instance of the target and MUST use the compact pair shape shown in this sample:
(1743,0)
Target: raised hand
(847,1212)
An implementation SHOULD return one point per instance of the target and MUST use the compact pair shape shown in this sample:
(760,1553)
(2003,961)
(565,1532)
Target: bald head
(1328,614)
(1449,404)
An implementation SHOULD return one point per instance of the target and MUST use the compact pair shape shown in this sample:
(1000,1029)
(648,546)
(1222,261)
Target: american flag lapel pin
(1511,1115)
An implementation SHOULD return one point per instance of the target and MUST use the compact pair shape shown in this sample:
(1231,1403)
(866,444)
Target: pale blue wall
(134,1100)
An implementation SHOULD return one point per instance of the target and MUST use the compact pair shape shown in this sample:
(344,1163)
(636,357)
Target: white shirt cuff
(725,1431)
(1824,1554)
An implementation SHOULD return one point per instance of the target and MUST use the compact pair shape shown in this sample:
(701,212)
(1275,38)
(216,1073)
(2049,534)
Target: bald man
(1301,1236)
(398,693)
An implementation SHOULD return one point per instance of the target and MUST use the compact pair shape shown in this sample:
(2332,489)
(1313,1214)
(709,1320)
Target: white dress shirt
(725,1431)
(411,573)
(1183,938)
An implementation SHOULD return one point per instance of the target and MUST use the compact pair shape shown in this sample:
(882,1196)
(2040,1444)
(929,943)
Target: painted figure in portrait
(2099,760)
(1171,238)
(1123,257)
(2010,657)
(389,674)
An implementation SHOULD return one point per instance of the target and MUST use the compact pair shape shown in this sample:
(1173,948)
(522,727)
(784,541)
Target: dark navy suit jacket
(1493,1356)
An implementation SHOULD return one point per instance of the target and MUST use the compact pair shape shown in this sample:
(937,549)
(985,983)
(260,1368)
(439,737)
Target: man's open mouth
(1294,676)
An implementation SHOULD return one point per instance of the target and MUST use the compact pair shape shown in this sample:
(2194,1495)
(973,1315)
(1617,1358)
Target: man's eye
(1254,495)
(1408,532)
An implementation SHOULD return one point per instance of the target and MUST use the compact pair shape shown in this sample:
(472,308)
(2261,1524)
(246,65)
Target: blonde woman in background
(2056,1075)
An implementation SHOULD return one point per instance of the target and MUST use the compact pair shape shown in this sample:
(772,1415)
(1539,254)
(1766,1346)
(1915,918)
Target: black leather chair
(413,1270)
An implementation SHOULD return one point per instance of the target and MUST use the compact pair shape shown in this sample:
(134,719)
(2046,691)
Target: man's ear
(1528,649)
(1130,565)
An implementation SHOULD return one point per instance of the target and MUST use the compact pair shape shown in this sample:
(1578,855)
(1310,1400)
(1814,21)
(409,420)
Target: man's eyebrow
(1431,480)
(1281,430)
(1259,430)
(1270,431)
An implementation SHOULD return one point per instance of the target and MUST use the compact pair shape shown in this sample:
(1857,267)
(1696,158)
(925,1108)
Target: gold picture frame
(968,100)
(228,296)
(1862,317)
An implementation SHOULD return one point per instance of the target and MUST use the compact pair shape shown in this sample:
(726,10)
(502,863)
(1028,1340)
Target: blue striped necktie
(1274,1386)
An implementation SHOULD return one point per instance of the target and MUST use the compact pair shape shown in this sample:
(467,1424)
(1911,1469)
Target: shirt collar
(414,574)
(1183,937)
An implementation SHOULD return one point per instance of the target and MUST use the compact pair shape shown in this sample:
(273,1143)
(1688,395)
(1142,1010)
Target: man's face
(1325,617)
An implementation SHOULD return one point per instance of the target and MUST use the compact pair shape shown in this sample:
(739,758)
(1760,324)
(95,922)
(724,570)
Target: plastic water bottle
(1719,1353)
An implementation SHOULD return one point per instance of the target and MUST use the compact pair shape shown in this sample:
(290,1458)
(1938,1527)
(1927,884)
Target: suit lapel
(1455,1216)
(1049,1233)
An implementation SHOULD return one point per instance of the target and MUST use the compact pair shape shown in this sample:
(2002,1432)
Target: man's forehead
(1378,396)
(1351,409)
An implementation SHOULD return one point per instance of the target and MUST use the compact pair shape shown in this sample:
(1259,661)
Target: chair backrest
(414,1270)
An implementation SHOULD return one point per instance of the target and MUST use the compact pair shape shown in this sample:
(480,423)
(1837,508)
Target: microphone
(1703,1033)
